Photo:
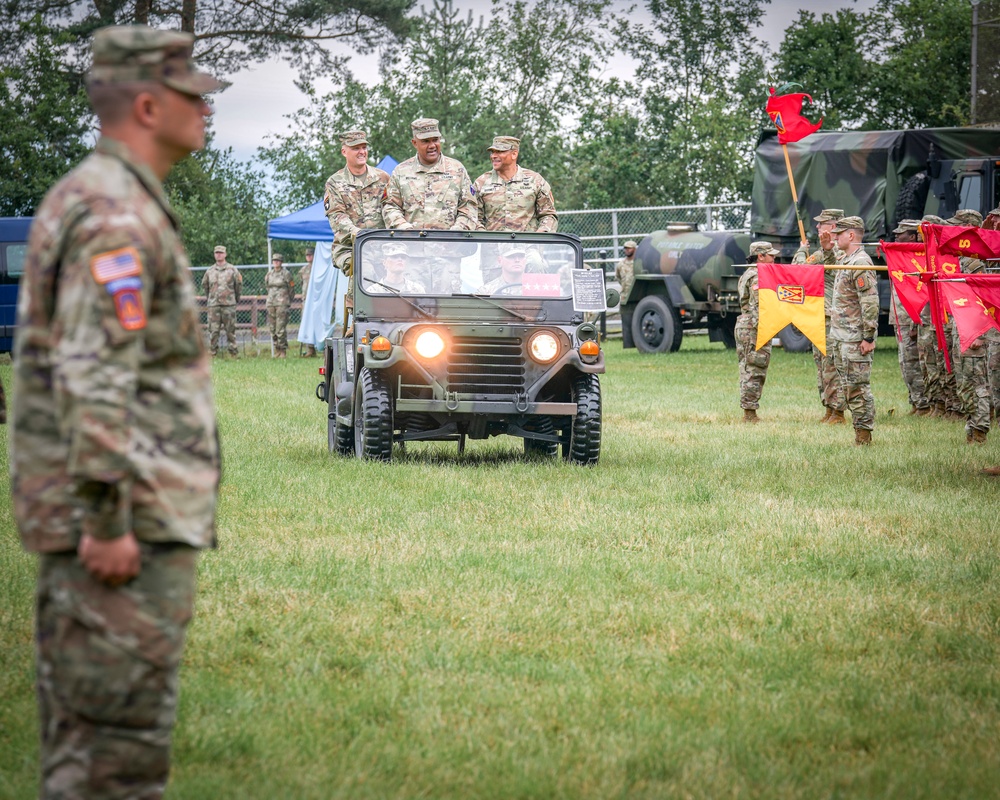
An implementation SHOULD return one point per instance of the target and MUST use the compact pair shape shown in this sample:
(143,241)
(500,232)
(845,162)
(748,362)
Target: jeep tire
(372,416)
(583,446)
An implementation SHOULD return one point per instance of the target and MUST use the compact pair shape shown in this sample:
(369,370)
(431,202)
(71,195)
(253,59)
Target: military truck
(441,350)
(13,249)
(686,279)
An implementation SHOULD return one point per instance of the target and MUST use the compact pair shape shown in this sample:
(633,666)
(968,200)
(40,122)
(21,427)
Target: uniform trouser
(222,318)
(973,386)
(993,370)
(855,372)
(277,322)
(950,379)
(108,664)
(753,363)
(930,365)
(827,380)
(909,362)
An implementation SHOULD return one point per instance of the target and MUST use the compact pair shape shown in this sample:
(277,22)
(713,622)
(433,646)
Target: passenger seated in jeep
(513,258)
(395,265)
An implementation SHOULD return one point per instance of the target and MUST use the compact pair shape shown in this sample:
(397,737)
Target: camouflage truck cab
(686,279)
(441,353)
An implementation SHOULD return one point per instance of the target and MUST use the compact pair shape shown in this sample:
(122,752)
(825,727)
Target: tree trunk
(142,11)
(188,9)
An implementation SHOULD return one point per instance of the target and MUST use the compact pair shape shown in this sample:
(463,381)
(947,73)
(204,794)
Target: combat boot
(281,354)
(862,437)
(836,418)
(937,410)
(750,415)
(994,471)
(975,437)
(912,411)
(827,415)
(923,411)
(955,416)
(310,351)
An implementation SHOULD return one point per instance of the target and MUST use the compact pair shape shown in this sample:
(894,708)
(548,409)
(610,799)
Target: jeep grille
(486,366)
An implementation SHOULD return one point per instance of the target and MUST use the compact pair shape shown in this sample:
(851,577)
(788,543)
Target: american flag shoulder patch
(116,264)
(788,293)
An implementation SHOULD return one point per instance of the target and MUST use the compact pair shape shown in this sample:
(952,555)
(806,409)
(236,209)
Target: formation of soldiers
(970,392)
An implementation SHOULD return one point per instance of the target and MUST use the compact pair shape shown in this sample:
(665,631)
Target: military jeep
(462,336)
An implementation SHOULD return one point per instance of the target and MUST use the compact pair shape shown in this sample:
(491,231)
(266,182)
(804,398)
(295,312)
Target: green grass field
(716,610)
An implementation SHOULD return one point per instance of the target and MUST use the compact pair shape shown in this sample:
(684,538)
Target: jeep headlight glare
(543,347)
(429,344)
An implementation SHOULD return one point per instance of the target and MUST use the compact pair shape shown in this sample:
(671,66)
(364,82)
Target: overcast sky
(258,101)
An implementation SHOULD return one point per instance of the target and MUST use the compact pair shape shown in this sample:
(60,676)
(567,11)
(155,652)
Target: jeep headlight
(429,344)
(543,347)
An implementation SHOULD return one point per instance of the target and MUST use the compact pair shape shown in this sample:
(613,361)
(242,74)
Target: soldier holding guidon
(114,448)
(223,285)
(753,362)
(854,326)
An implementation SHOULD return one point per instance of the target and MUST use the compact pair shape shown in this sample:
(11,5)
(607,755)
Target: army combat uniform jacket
(436,197)
(223,285)
(524,203)
(114,425)
(353,203)
(832,256)
(854,315)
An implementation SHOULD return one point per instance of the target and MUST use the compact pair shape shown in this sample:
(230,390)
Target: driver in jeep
(513,258)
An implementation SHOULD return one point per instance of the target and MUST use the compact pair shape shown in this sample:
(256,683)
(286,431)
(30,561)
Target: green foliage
(45,120)
(221,201)
(715,610)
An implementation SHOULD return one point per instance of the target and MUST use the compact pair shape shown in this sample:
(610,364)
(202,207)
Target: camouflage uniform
(625,275)
(223,285)
(971,372)
(434,197)
(113,433)
(906,340)
(753,362)
(853,318)
(353,203)
(280,288)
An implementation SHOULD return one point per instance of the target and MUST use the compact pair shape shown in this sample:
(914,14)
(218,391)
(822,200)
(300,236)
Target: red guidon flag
(791,295)
(906,261)
(785,111)
(960,240)
(939,265)
(973,303)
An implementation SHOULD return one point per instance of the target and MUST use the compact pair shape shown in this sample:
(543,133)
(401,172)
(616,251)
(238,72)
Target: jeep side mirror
(613,296)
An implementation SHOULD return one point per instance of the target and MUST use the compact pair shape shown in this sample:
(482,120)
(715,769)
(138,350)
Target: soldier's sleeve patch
(129,310)
(116,264)
(326,200)
(862,283)
(472,190)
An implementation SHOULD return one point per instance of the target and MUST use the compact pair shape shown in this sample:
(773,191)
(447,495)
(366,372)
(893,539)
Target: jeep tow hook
(451,400)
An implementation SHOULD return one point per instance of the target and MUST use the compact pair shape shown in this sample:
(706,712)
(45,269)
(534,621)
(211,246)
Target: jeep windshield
(461,267)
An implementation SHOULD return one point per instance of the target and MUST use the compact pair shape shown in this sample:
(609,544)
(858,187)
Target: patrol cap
(934,219)
(967,216)
(504,143)
(131,53)
(512,248)
(849,224)
(762,249)
(353,138)
(629,243)
(310,251)
(220,248)
(830,215)
(393,249)
(276,257)
(907,226)
(425,128)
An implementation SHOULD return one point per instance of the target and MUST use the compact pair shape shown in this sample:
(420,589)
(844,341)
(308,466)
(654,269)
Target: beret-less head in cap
(425,128)
(504,143)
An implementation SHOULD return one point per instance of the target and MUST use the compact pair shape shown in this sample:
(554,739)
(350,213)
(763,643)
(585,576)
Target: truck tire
(912,198)
(656,326)
(794,341)
(340,438)
(584,444)
(372,416)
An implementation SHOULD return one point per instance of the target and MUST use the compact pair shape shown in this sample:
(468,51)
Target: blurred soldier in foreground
(906,334)
(114,455)
(753,362)
(223,286)
(511,198)
(353,198)
(431,191)
(971,378)
(625,275)
(304,274)
(280,290)
(854,326)
(831,395)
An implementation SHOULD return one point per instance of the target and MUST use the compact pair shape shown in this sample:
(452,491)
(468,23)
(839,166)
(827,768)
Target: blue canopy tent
(326,290)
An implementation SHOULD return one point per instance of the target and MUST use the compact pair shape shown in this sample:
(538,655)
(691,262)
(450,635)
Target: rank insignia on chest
(791,294)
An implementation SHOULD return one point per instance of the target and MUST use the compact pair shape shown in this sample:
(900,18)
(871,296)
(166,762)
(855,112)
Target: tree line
(681,129)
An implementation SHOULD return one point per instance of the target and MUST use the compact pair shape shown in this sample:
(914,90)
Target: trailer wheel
(794,341)
(583,446)
(656,326)
(372,416)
